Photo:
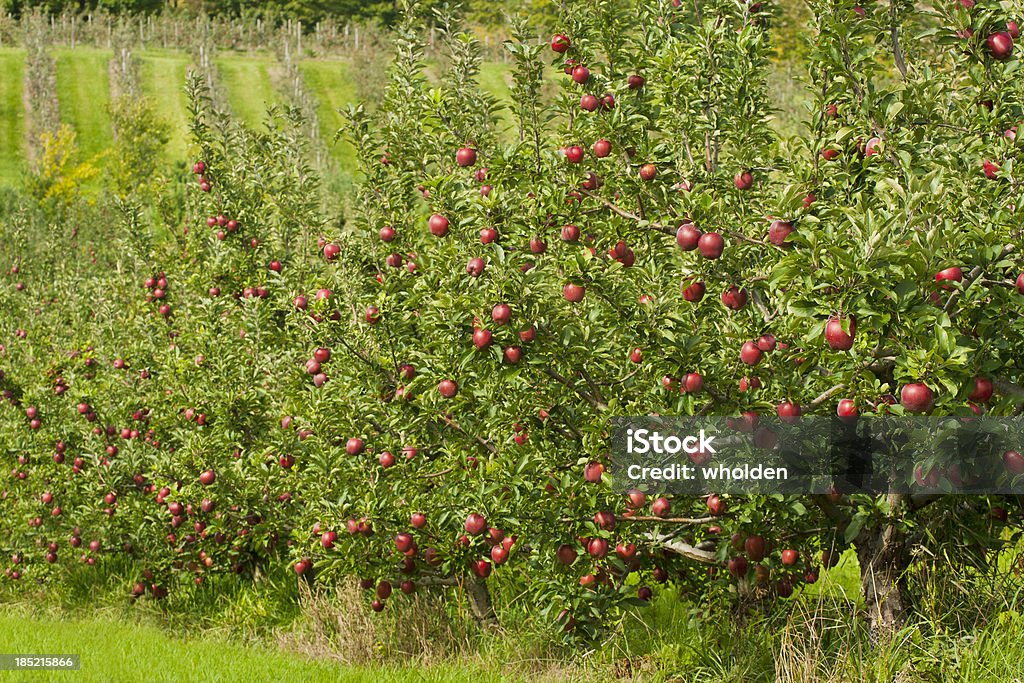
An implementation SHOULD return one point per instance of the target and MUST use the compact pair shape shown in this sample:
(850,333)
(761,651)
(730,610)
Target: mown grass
(331,83)
(249,86)
(112,650)
(83,93)
(12,116)
(163,74)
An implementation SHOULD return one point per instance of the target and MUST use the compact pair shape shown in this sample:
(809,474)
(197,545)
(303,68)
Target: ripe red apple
(592,472)
(917,398)
(602,148)
(604,520)
(991,169)
(788,411)
(597,548)
(648,172)
(846,409)
(570,233)
(206,478)
(589,103)
(448,388)
(512,354)
(743,180)
(331,251)
(738,566)
(481,338)
(1020,283)
(354,446)
(438,225)
(790,557)
(574,154)
(750,354)
(711,245)
(755,547)
(1013,461)
(716,506)
(466,156)
(661,507)
(566,554)
(778,231)
(580,74)
(418,520)
(1013,29)
(387,233)
(692,383)
(475,524)
(501,314)
(386,459)
(953,274)
(635,82)
(488,235)
(560,42)
(836,337)
(372,315)
(573,292)
(1000,45)
(635,499)
(688,236)
(982,390)
(475,267)
(767,342)
(403,542)
(693,292)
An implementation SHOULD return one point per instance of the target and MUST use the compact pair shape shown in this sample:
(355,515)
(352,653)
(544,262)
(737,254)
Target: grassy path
(12,116)
(119,651)
(163,74)
(83,91)
(250,90)
(330,82)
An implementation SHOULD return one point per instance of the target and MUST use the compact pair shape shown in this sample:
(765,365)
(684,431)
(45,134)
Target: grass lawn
(12,116)
(83,92)
(163,74)
(249,88)
(330,82)
(121,651)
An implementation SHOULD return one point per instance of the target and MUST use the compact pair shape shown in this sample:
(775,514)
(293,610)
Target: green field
(12,115)
(163,75)
(249,87)
(83,91)
(330,82)
(113,650)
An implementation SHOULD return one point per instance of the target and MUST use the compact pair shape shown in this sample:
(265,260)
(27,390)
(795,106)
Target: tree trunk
(480,602)
(882,553)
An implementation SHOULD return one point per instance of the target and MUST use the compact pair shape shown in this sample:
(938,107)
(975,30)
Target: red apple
(688,236)
(734,298)
(982,390)
(448,388)
(1000,45)
(790,557)
(711,245)
(750,354)
(466,156)
(836,337)
(648,172)
(602,148)
(475,524)
(560,42)
(778,231)
(438,225)
(755,547)
(661,507)
(693,292)
(1013,461)
(580,74)
(743,180)
(917,398)
(573,292)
